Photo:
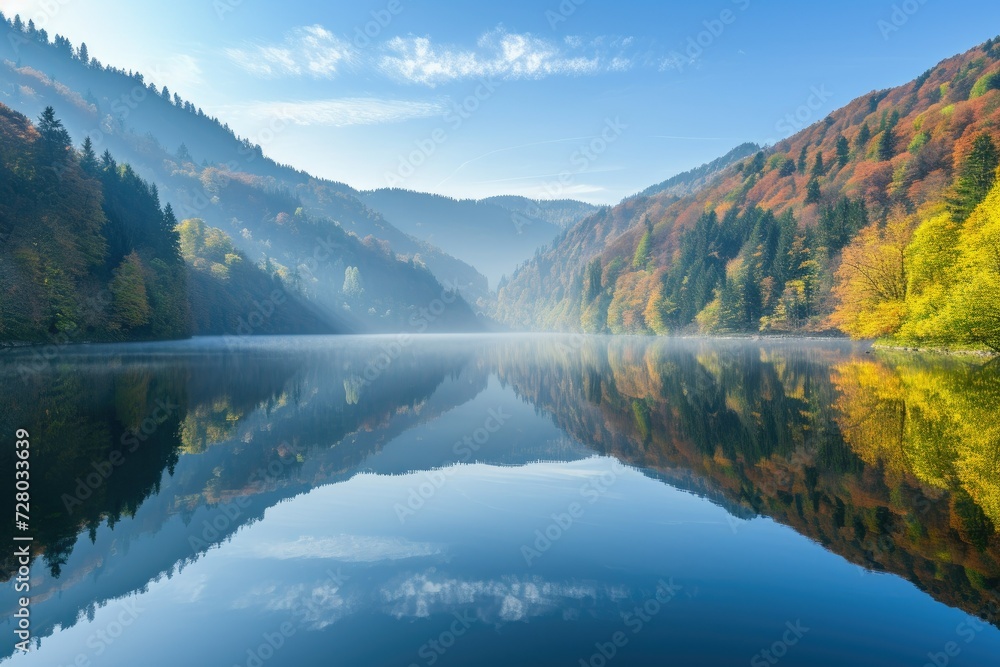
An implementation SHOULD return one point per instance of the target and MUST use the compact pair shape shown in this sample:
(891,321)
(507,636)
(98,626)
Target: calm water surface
(506,501)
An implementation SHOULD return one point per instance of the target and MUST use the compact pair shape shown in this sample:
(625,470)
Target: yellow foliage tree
(872,281)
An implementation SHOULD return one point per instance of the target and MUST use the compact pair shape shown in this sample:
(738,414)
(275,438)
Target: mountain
(491,238)
(759,245)
(690,182)
(89,254)
(205,170)
(562,213)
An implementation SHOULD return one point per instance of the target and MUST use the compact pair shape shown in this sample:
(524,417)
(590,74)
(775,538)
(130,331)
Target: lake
(505,500)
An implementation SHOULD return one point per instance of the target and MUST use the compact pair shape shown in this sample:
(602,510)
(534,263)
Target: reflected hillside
(891,465)
(188,448)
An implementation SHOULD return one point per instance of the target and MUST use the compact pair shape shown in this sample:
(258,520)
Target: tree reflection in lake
(889,461)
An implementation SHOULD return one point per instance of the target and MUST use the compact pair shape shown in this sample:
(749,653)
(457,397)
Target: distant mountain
(172,143)
(562,213)
(757,245)
(491,238)
(690,182)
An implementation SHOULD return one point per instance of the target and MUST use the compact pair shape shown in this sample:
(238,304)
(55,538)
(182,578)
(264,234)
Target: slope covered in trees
(192,156)
(762,246)
(89,253)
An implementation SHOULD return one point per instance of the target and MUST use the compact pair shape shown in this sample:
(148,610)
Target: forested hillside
(787,239)
(89,253)
(208,172)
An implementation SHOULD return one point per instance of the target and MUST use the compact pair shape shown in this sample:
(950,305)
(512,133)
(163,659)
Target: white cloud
(308,51)
(339,112)
(498,54)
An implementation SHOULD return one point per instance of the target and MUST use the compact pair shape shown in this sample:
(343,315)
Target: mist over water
(460,500)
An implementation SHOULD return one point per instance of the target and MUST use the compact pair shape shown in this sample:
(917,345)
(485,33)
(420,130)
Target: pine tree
(803,160)
(642,251)
(813,193)
(55,140)
(107,162)
(818,167)
(976,178)
(88,158)
(18,25)
(843,151)
(887,145)
(84,54)
(864,136)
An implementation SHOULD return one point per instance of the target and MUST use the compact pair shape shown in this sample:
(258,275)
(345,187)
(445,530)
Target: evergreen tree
(642,251)
(813,193)
(887,145)
(803,160)
(976,177)
(18,25)
(88,158)
(818,167)
(843,151)
(864,136)
(84,54)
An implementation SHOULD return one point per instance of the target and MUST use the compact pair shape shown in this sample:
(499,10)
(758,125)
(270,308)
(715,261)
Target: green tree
(864,136)
(843,151)
(818,167)
(976,177)
(642,251)
(88,158)
(887,145)
(813,193)
(803,160)
(130,303)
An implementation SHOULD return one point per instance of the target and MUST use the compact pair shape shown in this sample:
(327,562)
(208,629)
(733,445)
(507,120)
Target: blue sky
(548,98)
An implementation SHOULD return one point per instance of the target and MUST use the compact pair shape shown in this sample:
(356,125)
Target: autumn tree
(872,282)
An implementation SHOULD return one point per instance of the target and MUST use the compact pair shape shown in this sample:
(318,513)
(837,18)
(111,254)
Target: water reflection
(350,486)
